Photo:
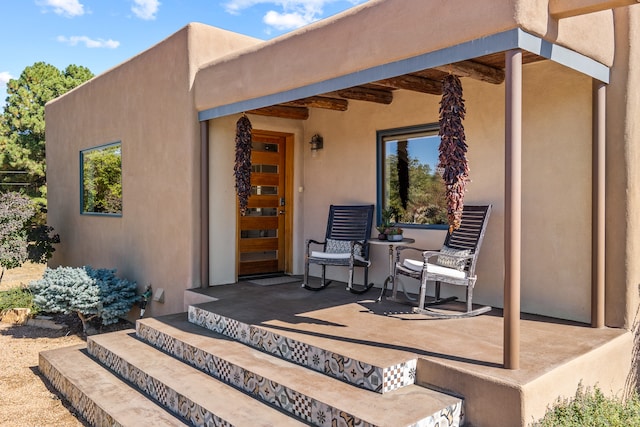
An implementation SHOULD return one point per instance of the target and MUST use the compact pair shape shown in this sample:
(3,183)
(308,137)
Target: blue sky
(100,34)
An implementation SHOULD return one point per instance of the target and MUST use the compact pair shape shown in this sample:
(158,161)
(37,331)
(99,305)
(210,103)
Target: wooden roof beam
(414,83)
(283,112)
(360,93)
(337,104)
(474,70)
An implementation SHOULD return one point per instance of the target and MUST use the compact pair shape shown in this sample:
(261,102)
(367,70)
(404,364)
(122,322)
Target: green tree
(426,202)
(22,124)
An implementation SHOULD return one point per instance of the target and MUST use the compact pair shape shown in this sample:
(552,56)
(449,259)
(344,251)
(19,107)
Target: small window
(101,179)
(409,184)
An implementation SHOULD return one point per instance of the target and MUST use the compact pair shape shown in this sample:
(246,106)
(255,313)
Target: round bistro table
(390,278)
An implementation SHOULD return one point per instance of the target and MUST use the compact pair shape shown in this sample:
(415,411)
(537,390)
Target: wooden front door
(262,233)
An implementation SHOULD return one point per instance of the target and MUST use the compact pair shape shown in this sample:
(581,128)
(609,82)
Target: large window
(101,179)
(409,184)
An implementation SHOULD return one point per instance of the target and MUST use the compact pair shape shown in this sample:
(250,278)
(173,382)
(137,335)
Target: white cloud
(69,8)
(88,42)
(5,77)
(285,21)
(145,9)
(293,14)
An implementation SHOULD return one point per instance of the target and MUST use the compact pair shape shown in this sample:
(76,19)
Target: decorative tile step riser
(364,375)
(299,405)
(86,407)
(166,396)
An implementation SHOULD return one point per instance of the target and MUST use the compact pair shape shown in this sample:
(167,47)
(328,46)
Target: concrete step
(193,395)
(99,396)
(380,370)
(307,394)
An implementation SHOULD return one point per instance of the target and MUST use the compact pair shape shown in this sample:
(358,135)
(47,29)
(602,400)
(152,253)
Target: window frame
(381,135)
(81,157)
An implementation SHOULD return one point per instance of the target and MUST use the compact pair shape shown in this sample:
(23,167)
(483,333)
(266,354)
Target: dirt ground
(26,397)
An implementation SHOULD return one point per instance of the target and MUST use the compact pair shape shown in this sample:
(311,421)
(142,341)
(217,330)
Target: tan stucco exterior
(153,104)
(160,224)
(146,104)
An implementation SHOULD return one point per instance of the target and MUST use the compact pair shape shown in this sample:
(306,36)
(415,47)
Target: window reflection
(409,183)
(101,176)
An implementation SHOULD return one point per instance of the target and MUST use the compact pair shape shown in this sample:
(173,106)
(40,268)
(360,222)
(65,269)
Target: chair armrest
(401,248)
(311,241)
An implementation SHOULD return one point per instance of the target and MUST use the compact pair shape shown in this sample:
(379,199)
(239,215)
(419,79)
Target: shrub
(17,297)
(15,211)
(590,407)
(21,236)
(90,293)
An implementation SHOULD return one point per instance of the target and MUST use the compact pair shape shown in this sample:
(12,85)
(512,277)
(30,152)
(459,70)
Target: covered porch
(531,139)
(462,357)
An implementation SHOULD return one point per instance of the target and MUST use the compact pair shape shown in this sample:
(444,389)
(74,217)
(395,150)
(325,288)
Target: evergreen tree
(90,293)
(22,124)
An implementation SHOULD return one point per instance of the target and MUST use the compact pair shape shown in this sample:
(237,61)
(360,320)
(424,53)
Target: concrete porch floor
(460,356)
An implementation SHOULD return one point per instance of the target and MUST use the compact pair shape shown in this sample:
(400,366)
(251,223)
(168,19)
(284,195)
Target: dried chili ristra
(453,148)
(242,168)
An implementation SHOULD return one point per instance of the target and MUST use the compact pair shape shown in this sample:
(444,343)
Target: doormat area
(280,280)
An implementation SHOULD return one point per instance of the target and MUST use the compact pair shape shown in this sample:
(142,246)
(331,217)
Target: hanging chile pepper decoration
(453,148)
(242,168)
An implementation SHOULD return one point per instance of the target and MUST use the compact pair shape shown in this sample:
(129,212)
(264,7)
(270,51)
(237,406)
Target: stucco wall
(146,104)
(556,182)
(403,29)
(623,174)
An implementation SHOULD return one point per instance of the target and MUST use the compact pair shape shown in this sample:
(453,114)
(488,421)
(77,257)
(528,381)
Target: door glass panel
(258,256)
(263,146)
(264,190)
(261,212)
(264,168)
(256,234)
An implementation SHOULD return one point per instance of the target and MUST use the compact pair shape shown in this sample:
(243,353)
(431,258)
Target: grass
(590,407)
(17,297)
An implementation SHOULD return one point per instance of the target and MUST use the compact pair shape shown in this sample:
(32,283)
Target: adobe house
(551,91)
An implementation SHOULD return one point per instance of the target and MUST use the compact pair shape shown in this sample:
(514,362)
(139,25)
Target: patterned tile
(378,379)
(321,414)
(316,358)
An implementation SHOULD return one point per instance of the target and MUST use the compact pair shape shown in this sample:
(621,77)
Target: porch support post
(599,98)
(204,204)
(513,207)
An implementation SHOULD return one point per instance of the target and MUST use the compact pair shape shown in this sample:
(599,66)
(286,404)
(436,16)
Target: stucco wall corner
(591,35)
(206,43)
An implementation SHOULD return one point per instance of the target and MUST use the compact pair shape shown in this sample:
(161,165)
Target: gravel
(26,397)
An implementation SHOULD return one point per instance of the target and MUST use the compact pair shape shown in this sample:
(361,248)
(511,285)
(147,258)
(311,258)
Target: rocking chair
(454,264)
(345,244)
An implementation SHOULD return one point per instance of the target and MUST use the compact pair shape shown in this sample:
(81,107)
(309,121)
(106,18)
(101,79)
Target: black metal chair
(454,264)
(345,244)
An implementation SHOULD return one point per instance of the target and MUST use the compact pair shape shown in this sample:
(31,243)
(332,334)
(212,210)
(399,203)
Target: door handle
(281,212)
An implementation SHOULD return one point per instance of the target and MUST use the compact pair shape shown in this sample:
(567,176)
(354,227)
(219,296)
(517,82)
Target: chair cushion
(330,255)
(343,255)
(416,265)
(453,262)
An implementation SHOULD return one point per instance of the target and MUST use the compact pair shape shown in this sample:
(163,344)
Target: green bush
(90,293)
(590,407)
(17,297)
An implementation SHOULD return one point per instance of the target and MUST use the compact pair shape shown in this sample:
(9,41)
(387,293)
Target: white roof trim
(507,40)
